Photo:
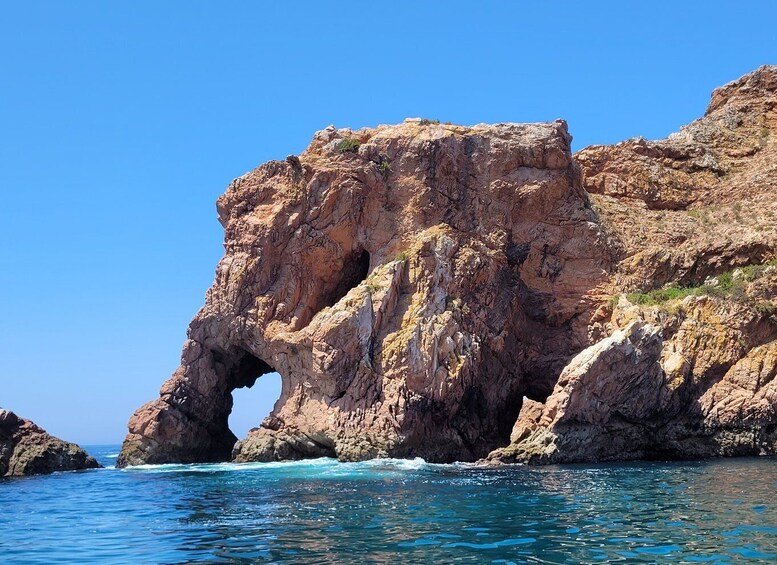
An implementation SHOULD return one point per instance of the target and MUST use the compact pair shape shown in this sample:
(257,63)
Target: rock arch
(406,293)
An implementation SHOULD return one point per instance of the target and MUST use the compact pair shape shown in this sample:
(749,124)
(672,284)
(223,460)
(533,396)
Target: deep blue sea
(393,511)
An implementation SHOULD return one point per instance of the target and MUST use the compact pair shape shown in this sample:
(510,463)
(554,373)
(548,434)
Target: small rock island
(26,449)
(482,293)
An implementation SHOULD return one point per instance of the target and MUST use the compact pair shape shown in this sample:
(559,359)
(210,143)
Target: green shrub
(425,122)
(727,287)
(765,308)
(348,145)
(641,298)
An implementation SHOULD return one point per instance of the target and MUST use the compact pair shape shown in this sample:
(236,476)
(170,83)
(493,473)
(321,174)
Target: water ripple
(322,511)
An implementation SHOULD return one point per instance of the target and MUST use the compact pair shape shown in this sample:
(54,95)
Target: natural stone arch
(479,249)
(190,420)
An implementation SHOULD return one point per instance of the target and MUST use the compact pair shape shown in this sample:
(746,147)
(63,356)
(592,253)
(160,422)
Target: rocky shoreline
(481,293)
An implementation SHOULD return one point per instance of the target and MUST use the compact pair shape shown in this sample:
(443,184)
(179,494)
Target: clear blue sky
(121,122)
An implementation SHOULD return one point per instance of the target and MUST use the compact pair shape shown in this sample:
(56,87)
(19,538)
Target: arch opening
(253,403)
(242,371)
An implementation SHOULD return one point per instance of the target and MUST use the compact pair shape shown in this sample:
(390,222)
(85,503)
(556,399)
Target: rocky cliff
(459,292)
(683,359)
(26,449)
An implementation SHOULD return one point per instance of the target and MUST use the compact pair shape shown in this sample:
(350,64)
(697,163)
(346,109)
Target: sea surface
(393,511)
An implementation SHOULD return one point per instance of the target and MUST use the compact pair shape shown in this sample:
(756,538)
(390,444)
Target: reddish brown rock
(699,202)
(416,286)
(26,449)
(677,378)
(410,284)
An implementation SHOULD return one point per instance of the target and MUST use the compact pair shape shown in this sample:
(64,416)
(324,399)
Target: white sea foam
(218,467)
(321,467)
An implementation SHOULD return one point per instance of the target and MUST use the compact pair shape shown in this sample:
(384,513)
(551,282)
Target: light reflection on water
(386,511)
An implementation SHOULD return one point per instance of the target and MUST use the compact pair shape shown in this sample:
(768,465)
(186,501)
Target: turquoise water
(392,511)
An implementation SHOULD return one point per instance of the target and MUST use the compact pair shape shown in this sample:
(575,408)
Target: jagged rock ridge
(417,286)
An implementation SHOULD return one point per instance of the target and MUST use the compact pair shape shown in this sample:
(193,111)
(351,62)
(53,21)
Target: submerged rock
(447,292)
(26,449)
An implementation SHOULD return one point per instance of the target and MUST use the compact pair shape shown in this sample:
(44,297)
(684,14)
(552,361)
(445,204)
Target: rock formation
(689,370)
(699,383)
(452,292)
(410,284)
(26,449)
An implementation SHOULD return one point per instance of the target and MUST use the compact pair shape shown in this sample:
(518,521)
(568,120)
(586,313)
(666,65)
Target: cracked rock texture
(409,292)
(26,449)
(459,293)
(695,376)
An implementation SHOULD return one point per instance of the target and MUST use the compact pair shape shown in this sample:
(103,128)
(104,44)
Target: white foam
(213,467)
(322,467)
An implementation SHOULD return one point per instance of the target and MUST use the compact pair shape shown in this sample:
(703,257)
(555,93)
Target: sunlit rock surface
(454,293)
(410,284)
(691,376)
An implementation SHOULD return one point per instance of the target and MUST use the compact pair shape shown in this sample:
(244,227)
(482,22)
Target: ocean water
(393,511)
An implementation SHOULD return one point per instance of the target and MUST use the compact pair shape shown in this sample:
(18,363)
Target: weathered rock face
(699,202)
(410,284)
(26,449)
(690,377)
(699,383)
(420,287)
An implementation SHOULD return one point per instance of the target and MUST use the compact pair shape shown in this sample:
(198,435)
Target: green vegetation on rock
(731,284)
(348,145)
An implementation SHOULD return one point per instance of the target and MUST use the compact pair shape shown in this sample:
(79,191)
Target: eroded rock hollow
(455,293)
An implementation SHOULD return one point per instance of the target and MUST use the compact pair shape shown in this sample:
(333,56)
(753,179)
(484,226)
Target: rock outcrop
(26,449)
(410,284)
(447,292)
(701,201)
(686,370)
(699,383)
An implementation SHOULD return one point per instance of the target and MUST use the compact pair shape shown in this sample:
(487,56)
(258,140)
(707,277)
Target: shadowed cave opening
(355,269)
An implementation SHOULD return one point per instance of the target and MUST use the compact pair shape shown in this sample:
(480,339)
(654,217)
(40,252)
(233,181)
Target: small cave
(355,269)
(508,415)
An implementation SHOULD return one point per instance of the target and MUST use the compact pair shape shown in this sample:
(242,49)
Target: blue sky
(121,122)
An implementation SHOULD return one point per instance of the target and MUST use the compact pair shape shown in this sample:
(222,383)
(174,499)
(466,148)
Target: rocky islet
(465,293)
(26,449)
